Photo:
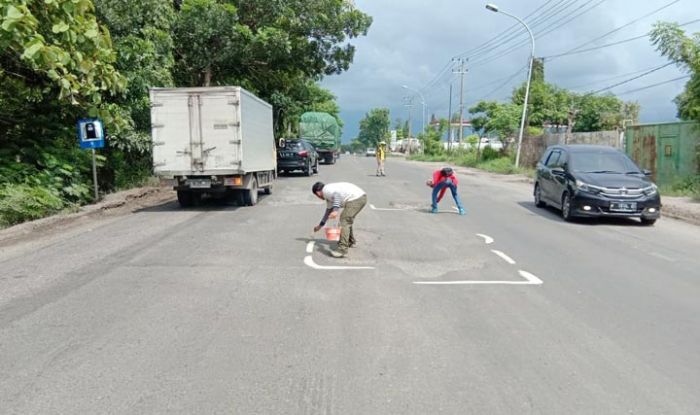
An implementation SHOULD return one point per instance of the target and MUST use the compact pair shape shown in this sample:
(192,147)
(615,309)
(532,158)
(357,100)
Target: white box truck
(213,140)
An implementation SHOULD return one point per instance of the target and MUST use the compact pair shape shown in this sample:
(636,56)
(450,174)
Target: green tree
(271,48)
(57,64)
(374,127)
(493,117)
(672,42)
(431,138)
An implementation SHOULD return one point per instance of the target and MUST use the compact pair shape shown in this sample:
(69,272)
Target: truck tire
(268,190)
(251,195)
(185,199)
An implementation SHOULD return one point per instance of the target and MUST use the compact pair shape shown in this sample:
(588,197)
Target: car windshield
(603,162)
(293,145)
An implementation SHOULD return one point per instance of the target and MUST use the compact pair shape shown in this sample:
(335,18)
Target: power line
(667,5)
(484,47)
(510,78)
(607,45)
(541,34)
(536,23)
(653,85)
(649,72)
(606,80)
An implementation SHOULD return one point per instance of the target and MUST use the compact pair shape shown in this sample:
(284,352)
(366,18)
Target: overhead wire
(607,45)
(647,73)
(617,29)
(653,85)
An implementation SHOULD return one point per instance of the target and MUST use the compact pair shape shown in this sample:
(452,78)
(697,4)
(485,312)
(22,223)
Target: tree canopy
(673,42)
(66,59)
(375,127)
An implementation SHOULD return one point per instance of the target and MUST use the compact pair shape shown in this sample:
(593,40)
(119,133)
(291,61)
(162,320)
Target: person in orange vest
(381,157)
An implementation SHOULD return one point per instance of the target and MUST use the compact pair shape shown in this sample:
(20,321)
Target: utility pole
(449,122)
(408,103)
(461,70)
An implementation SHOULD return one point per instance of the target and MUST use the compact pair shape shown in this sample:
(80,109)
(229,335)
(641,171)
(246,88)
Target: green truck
(323,132)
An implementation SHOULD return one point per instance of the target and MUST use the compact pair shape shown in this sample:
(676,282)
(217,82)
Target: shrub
(23,202)
(488,153)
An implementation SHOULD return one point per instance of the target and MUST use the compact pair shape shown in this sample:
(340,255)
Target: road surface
(226,310)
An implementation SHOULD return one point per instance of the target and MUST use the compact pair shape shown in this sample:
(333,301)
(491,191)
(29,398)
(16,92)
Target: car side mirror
(647,172)
(558,170)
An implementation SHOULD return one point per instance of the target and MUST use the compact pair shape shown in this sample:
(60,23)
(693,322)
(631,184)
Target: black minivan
(595,181)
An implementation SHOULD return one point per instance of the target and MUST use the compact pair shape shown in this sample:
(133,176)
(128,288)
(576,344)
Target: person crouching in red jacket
(444,179)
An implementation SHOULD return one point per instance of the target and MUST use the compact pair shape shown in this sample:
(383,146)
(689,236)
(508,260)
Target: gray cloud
(412,40)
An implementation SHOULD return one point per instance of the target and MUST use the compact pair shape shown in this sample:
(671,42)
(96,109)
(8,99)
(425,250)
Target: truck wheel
(268,190)
(185,199)
(251,195)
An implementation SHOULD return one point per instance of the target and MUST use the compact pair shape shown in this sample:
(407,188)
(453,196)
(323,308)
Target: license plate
(199,183)
(623,207)
(287,155)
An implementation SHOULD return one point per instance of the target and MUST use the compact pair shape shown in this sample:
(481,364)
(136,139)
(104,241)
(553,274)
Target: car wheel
(538,196)
(185,199)
(566,207)
(316,167)
(308,171)
(648,222)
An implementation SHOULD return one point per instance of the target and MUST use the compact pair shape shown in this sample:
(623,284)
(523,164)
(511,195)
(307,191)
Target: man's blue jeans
(446,184)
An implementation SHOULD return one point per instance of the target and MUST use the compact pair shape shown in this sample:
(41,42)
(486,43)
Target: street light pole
(494,8)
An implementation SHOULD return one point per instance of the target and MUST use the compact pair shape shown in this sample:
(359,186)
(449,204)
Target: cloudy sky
(412,42)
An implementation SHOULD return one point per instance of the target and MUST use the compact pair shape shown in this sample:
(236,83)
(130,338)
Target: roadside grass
(490,162)
(686,187)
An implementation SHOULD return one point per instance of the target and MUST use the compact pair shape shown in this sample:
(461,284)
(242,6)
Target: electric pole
(461,70)
(449,122)
(408,103)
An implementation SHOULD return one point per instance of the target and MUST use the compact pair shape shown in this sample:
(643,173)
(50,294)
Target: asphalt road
(221,310)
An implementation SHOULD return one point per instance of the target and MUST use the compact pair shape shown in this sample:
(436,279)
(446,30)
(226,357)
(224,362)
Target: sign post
(91,136)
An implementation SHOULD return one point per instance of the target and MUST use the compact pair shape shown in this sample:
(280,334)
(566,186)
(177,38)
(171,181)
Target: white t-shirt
(338,194)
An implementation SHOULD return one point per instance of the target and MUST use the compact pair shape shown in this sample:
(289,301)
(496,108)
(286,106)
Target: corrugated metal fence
(669,150)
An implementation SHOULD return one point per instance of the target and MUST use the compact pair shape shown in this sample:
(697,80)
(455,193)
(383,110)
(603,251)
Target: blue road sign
(91,133)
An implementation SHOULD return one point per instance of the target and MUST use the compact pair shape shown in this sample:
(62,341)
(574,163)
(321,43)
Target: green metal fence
(669,150)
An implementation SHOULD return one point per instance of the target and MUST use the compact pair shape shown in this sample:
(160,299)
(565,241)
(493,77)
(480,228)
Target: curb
(110,202)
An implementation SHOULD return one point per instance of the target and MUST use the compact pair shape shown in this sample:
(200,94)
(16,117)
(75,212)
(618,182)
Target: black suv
(595,181)
(297,155)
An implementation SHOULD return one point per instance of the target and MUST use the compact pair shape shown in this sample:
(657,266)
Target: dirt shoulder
(115,204)
(680,208)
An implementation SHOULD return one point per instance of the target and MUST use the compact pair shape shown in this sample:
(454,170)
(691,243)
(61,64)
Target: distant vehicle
(216,141)
(371,152)
(297,155)
(595,181)
(322,130)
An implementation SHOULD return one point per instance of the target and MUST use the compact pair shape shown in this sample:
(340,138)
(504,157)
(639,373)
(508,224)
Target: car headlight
(651,190)
(585,187)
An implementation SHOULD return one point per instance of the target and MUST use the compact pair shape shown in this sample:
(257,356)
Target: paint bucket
(333,233)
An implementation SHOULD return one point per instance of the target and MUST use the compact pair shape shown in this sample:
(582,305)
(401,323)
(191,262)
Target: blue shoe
(462,212)
(434,210)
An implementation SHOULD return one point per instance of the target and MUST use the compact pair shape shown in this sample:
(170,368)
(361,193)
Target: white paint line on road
(309,261)
(504,257)
(489,240)
(529,280)
(384,209)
